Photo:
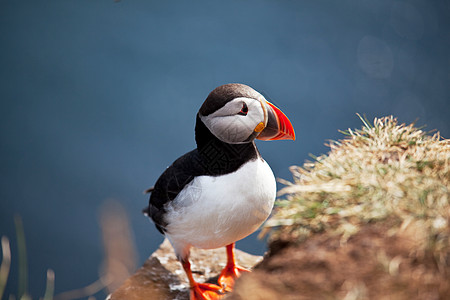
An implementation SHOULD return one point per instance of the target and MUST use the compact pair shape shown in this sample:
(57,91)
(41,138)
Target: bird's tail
(146,211)
(149,190)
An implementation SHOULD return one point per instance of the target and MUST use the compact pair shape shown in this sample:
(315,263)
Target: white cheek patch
(232,128)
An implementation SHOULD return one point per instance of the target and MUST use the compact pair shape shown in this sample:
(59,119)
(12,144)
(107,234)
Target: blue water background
(98,97)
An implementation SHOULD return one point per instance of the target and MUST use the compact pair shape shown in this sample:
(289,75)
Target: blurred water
(97,98)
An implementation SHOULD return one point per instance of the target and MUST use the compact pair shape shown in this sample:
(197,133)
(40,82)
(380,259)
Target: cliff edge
(369,220)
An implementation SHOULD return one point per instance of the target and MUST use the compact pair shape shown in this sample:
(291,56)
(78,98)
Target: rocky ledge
(162,277)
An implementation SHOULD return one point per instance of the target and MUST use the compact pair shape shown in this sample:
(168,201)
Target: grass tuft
(384,170)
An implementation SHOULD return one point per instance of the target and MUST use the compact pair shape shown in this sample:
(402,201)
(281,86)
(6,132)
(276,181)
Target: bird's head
(235,113)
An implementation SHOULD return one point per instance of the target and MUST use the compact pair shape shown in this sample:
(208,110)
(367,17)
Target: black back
(212,157)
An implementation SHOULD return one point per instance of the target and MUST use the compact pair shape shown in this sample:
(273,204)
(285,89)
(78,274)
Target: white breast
(212,212)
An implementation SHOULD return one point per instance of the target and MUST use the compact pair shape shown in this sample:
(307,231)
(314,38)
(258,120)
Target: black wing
(212,157)
(170,184)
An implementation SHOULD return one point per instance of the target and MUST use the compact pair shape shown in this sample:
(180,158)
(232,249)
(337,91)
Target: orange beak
(278,125)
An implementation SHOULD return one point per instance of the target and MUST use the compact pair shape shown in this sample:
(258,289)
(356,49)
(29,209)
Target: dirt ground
(372,264)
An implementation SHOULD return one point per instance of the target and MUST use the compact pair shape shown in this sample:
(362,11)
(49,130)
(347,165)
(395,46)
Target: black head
(226,93)
(236,114)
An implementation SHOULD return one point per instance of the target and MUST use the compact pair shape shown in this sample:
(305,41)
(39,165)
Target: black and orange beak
(278,125)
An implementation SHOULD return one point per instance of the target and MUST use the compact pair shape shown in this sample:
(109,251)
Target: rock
(162,277)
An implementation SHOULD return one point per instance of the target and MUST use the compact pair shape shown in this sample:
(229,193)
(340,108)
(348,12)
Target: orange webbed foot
(206,291)
(228,276)
(231,271)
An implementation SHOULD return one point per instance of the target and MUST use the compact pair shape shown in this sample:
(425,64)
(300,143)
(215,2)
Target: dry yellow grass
(382,171)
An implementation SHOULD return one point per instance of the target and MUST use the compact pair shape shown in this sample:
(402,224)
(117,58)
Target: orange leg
(201,291)
(231,270)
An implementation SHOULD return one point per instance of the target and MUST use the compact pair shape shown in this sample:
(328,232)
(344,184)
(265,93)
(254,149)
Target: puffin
(223,190)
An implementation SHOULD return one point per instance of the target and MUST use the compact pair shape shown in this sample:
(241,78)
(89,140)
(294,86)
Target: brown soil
(372,264)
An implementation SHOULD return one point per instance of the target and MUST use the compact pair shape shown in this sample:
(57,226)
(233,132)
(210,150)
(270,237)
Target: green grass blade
(364,120)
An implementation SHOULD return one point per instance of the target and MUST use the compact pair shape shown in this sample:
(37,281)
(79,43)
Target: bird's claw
(206,291)
(229,275)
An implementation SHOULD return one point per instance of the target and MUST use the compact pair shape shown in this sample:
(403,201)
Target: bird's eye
(244,110)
